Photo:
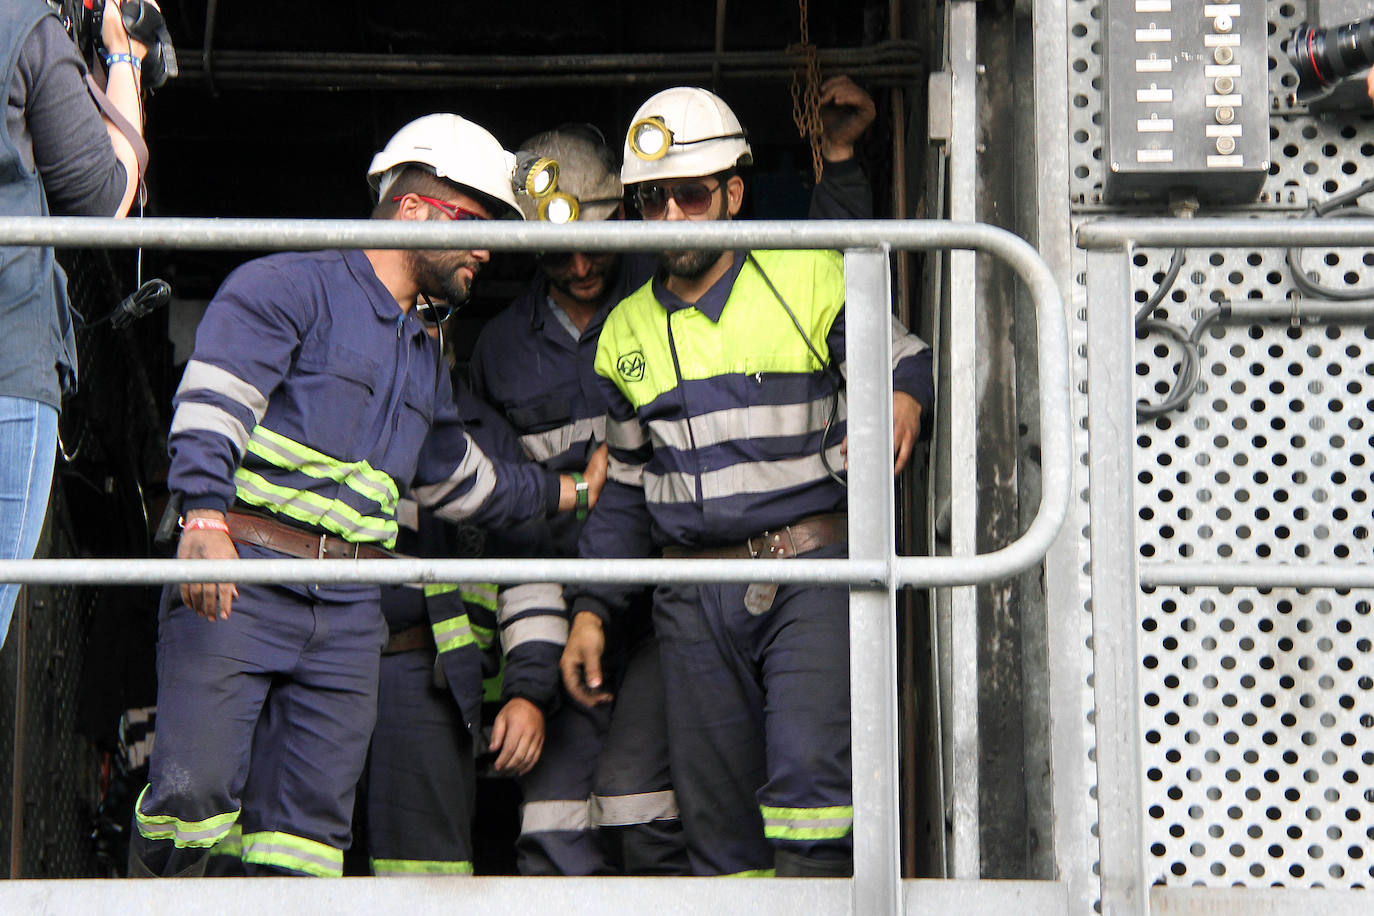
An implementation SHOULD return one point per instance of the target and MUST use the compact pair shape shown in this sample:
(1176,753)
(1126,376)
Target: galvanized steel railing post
(872,610)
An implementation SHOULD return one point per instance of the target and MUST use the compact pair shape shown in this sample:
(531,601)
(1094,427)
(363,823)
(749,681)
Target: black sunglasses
(693,197)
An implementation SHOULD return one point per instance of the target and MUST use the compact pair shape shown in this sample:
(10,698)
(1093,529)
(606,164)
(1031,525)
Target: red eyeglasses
(693,197)
(452,211)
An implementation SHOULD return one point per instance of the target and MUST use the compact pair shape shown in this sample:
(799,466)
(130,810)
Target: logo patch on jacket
(631,366)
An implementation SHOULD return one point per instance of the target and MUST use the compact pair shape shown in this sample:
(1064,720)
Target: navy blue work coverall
(310,396)
(718,413)
(421,773)
(539,373)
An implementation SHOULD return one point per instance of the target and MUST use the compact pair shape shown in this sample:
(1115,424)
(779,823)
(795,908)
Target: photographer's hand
(124,88)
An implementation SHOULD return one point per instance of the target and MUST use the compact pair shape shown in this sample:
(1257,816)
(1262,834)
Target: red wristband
(203,524)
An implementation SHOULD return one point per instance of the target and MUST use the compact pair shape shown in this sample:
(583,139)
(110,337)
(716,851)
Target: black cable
(1341,206)
(1185,381)
(825,369)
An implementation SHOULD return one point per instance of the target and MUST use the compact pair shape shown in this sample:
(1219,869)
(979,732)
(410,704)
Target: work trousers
(633,801)
(619,756)
(264,719)
(421,774)
(758,726)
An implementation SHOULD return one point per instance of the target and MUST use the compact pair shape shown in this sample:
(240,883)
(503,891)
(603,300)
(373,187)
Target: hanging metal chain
(806,90)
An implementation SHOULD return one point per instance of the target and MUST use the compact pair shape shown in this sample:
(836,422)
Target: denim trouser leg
(28,446)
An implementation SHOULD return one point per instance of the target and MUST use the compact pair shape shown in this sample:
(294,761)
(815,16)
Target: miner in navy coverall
(445,638)
(534,362)
(314,397)
(725,426)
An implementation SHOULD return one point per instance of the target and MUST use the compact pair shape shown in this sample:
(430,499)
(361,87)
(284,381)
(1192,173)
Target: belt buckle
(749,545)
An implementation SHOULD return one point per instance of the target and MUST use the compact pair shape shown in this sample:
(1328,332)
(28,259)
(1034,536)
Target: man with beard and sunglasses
(313,399)
(534,362)
(725,422)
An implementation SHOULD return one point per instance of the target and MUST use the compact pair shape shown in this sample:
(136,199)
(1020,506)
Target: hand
(846,112)
(211,600)
(1369,83)
(581,661)
(595,474)
(906,426)
(112,33)
(519,735)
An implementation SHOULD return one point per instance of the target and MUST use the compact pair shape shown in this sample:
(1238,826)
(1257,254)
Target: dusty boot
(790,864)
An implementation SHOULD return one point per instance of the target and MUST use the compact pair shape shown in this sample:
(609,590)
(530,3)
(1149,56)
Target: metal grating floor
(1256,760)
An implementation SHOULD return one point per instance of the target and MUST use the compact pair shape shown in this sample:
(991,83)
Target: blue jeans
(28,446)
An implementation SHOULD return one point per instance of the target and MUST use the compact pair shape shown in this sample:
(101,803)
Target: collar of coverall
(383,303)
(712,302)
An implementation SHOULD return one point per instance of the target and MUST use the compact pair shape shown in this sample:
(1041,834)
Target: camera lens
(1325,56)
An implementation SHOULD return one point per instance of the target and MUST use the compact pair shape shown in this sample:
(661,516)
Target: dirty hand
(211,600)
(518,734)
(581,661)
(595,474)
(846,112)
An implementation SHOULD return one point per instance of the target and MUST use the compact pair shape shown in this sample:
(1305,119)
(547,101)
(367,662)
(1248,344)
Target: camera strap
(130,132)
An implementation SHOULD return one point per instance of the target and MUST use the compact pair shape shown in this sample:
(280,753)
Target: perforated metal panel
(1256,706)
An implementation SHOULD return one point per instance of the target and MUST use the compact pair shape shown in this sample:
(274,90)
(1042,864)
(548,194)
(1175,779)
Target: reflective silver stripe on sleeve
(627,435)
(627,810)
(554,442)
(520,598)
(408,514)
(475,465)
(192,415)
(541,816)
(904,343)
(543,628)
(631,475)
(203,376)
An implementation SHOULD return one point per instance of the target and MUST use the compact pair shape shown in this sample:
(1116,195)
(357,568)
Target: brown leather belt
(283,538)
(420,636)
(811,533)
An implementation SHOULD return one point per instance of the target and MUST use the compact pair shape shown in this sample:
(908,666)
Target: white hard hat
(586,186)
(456,150)
(683,133)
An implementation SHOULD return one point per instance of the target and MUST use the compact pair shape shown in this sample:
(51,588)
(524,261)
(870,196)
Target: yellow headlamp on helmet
(536,176)
(649,138)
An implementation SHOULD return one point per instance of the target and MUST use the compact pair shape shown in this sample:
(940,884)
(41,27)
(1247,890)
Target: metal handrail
(1106,234)
(292,234)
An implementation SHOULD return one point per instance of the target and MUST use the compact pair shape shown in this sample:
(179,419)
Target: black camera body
(83,20)
(1328,50)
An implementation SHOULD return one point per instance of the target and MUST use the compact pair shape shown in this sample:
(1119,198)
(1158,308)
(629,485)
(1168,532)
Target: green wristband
(583,502)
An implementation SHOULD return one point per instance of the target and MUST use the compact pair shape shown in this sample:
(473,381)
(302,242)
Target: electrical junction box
(1185,100)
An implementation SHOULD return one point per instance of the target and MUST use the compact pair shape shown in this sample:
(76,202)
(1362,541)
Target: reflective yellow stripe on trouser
(807,823)
(400,868)
(295,853)
(183,834)
(231,844)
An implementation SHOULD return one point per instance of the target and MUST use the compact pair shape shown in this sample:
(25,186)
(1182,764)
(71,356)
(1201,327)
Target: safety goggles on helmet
(452,211)
(693,197)
(650,138)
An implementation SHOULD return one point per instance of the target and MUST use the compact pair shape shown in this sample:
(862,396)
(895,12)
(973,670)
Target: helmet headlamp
(650,138)
(559,207)
(535,175)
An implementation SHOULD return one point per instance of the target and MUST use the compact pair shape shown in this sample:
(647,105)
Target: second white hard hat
(456,150)
(683,132)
